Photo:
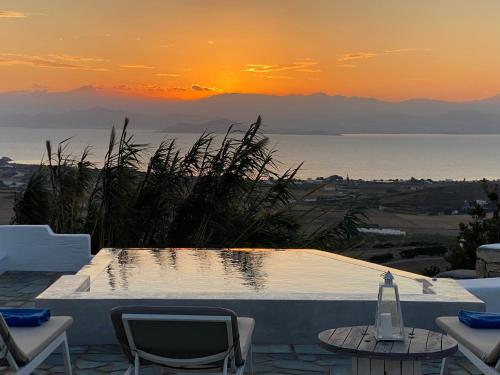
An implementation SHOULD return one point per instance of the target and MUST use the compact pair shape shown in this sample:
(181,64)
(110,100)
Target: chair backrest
(8,349)
(179,337)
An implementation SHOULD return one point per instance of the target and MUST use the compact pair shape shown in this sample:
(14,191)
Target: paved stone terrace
(18,289)
(276,360)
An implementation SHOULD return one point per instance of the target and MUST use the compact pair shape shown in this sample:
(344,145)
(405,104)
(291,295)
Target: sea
(359,156)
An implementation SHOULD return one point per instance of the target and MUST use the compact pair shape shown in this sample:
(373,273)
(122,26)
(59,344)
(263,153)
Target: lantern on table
(389,319)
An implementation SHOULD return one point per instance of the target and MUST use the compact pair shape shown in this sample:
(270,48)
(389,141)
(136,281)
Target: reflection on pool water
(244,271)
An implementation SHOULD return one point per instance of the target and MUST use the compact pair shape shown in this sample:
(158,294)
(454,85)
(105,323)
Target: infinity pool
(292,294)
(242,271)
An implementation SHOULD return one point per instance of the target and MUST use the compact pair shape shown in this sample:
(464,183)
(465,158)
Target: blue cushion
(25,317)
(474,319)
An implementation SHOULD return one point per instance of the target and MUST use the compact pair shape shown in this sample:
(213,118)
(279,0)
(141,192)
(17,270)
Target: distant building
(481,202)
(336,178)
(4,162)
(329,188)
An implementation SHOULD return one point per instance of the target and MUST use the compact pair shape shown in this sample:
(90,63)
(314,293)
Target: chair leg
(444,366)
(250,360)
(137,364)
(66,356)
(11,362)
(226,363)
(129,370)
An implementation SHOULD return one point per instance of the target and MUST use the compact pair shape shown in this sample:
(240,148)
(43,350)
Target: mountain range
(89,107)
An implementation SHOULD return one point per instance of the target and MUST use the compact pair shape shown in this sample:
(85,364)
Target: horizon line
(115,93)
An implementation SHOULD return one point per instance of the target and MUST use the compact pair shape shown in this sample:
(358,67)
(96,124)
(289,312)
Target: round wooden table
(370,356)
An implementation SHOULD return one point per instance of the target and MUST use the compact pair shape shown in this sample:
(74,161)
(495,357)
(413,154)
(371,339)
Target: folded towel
(25,317)
(476,319)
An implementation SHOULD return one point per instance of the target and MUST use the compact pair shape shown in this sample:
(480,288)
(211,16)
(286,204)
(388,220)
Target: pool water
(252,272)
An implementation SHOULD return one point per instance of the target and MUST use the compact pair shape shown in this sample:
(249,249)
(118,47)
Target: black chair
(184,339)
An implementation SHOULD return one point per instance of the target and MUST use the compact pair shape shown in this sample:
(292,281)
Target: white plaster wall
(487,290)
(38,248)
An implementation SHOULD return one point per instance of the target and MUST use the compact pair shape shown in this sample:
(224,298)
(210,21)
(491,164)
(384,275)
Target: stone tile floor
(276,360)
(18,289)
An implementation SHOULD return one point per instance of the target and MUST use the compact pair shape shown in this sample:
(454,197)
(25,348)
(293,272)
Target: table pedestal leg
(365,366)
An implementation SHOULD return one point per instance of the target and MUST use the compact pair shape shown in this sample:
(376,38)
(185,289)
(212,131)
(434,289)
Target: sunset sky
(446,49)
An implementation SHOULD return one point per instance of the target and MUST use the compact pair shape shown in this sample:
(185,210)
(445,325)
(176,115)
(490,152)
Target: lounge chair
(184,339)
(23,349)
(480,346)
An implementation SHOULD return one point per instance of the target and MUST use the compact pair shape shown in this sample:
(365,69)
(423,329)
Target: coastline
(265,132)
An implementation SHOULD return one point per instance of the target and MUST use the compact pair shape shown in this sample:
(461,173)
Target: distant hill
(214,126)
(88,107)
(92,118)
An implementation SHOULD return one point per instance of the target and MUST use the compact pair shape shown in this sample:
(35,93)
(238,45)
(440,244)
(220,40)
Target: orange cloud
(12,14)
(148,87)
(153,90)
(309,70)
(49,61)
(406,50)
(166,75)
(76,58)
(369,55)
(357,56)
(148,90)
(197,87)
(135,66)
(277,77)
(296,66)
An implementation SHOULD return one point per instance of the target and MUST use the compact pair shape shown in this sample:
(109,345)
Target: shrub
(381,258)
(207,197)
(429,250)
(385,245)
(482,229)
(431,271)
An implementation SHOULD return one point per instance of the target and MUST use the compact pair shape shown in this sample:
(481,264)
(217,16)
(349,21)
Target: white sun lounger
(23,349)
(480,346)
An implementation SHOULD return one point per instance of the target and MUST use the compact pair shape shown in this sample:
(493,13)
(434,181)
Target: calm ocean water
(366,156)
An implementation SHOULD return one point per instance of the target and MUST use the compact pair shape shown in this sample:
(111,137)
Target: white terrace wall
(38,248)
(487,290)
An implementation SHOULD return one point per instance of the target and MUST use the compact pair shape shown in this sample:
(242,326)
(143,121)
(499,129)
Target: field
(429,214)
(445,225)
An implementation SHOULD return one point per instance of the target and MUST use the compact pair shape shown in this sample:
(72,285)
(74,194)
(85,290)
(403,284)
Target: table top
(360,341)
